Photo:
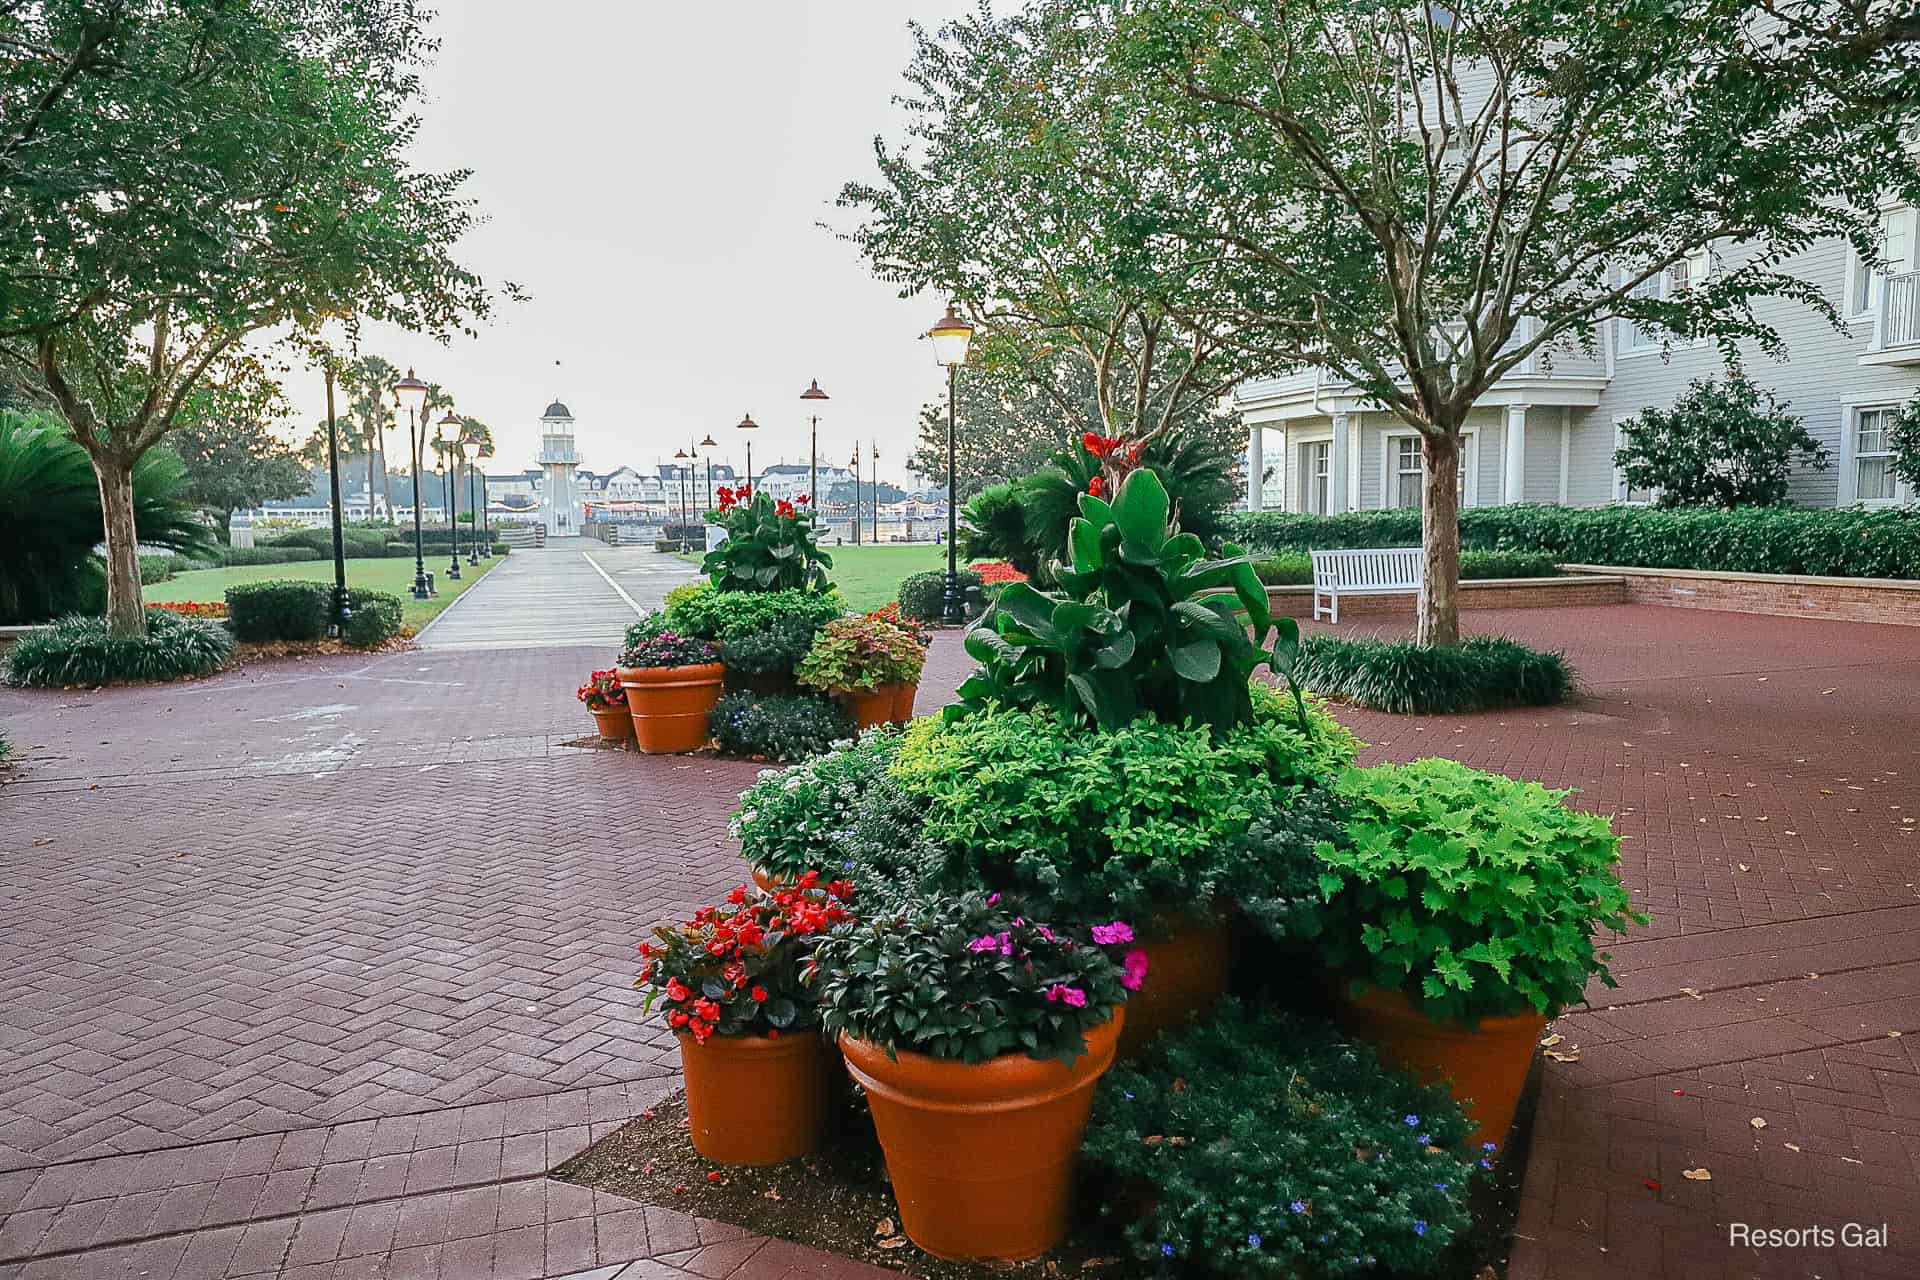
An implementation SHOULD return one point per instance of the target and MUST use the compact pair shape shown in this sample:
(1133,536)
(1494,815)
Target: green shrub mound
(80,651)
(6,747)
(775,649)
(1295,568)
(377,617)
(700,609)
(1477,674)
(1848,543)
(1472,893)
(779,726)
(1274,1148)
(359,544)
(280,609)
(245,556)
(923,595)
(1123,822)
(794,820)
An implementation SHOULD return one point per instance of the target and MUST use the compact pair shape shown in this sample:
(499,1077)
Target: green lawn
(391,575)
(870,576)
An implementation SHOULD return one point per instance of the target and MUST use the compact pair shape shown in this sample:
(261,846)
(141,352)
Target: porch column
(1339,463)
(1256,467)
(1514,473)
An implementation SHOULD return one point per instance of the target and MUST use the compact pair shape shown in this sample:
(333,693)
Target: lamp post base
(453,569)
(342,613)
(953,606)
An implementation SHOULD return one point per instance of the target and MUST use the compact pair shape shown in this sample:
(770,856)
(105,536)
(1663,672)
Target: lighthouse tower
(560,507)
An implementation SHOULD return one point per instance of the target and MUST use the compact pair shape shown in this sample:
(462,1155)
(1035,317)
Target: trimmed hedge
(79,650)
(923,595)
(1295,568)
(279,609)
(376,617)
(1477,674)
(1851,543)
(360,544)
(264,555)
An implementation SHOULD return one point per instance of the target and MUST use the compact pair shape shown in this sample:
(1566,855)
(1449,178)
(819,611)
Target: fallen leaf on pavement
(884,1227)
(1552,1040)
(1758,1122)
(1696,1175)
(1692,991)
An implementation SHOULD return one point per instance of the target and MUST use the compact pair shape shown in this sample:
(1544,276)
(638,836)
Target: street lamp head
(747,423)
(680,454)
(950,335)
(470,449)
(814,392)
(709,442)
(411,394)
(452,424)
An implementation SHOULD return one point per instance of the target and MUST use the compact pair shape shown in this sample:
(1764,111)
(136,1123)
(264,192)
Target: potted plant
(906,693)
(790,820)
(865,662)
(770,546)
(1460,913)
(671,681)
(608,703)
(978,1036)
(759,1078)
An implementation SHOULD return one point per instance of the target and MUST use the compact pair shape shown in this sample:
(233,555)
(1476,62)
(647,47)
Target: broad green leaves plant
(770,547)
(1143,623)
(1721,444)
(1472,893)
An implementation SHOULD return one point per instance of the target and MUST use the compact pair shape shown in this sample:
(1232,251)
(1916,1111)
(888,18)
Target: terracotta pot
(869,707)
(1485,1065)
(752,1100)
(616,723)
(766,879)
(1189,964)
(669,705)
(903,697)
(981,1155)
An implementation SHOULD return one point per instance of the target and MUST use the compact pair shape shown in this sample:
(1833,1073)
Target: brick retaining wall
(1484,593)
(1894,600)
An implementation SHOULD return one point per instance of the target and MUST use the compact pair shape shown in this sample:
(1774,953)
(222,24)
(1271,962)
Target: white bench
(1372,572)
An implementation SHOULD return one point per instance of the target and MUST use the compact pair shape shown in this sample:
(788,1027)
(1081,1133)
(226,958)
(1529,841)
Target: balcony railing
(1900,311)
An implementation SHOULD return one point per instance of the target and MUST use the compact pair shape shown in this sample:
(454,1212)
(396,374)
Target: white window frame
(1628,341)
(1909,228)
(1469,467)
(1310,478)
(1849,494)
(1619,497)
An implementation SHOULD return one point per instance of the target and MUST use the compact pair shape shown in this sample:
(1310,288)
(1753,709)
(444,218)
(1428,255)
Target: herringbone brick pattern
(314,969)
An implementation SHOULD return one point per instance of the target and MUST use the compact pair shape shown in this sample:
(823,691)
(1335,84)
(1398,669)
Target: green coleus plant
(861,653)
(972,978)
(1143,623)
(770,546)
(1276,1149)
(1473,893)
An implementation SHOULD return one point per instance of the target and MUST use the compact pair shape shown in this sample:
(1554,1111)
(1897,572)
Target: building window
(1319,474)
(1864,282)
(1873,479)
(1407,470)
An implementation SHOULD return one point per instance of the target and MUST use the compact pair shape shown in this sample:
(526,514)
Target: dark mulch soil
(840,1201)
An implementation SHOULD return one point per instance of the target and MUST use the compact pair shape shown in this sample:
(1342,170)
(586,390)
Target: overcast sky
(654,175)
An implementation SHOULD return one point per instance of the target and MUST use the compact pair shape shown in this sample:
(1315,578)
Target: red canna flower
(1097,486)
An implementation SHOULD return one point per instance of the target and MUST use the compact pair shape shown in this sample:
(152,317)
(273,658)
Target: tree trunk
(125,616)
(373,505)
(1439,622)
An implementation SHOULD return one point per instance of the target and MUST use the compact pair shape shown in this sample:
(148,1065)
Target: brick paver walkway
(313,969)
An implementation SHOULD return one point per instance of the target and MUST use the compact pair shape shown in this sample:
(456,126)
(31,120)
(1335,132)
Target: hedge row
(1849,543)
(298,611)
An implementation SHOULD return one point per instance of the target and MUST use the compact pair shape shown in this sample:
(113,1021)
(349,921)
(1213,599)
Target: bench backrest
(1398,568)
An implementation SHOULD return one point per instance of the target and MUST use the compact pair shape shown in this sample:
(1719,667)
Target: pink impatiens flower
(985,942)
(1133,973)
(1109,934)
(1070,995)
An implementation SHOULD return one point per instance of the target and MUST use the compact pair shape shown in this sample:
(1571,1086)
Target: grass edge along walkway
(392,574)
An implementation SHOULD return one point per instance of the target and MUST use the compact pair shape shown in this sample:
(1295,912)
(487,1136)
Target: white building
(560,505)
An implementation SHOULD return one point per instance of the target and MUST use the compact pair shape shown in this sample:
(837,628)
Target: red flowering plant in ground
(991,571)
(742,969)
(193,608)
(602,692)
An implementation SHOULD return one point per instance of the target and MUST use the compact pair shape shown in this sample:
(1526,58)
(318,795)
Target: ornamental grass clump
(81,650)
(861,654)
(795,820)
(1274,1148)
(972,977)
(1474,894)
(743,969)
(1478,674)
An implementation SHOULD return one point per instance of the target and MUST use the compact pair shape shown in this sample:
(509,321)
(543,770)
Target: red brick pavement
(322,964)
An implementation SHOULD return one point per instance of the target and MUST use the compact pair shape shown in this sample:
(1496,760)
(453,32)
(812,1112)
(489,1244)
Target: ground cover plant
(778,726)
(791,821)
(81,651)
(1478,674)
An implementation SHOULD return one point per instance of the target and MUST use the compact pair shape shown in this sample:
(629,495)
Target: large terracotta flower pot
(1189,964)
(1485,1065)
(669,705)
(754,1100)
(767,880)
(903,698)
(981,1155)
(869,707)
(615,723)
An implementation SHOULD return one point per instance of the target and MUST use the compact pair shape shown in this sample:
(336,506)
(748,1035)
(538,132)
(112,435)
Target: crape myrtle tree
(981,205)
(1418,198)
(179,175)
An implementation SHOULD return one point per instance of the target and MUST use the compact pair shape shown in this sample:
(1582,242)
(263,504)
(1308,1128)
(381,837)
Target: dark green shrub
(1477,674)
(779,726)
(6,747)
(1474,894)
(923,595)
(772,650)
(156,568)
(1851,543)
(398,551)
(795,820)
(80,651)
(1276,1149)
(700,609)
(1722,444)
(264,555)
(280,609)
(359,543)
(376,617)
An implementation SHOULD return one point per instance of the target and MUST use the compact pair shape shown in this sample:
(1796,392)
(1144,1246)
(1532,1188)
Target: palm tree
(370,379)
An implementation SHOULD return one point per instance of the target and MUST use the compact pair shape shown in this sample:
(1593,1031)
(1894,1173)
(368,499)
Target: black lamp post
(873,483)
(814,397)
(748,424)
(680,483)
(855,531)
(449,453)
(341,613)
(709,444)
(950,337)
(470,448)
(411,394)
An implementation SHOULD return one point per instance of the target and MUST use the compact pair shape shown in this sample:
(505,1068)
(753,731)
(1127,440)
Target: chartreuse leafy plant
(1472,893)
(1275,1148)
(700,609)
(770,546)
(1145,817)
(1143,623)
(968,978)
(792,821)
